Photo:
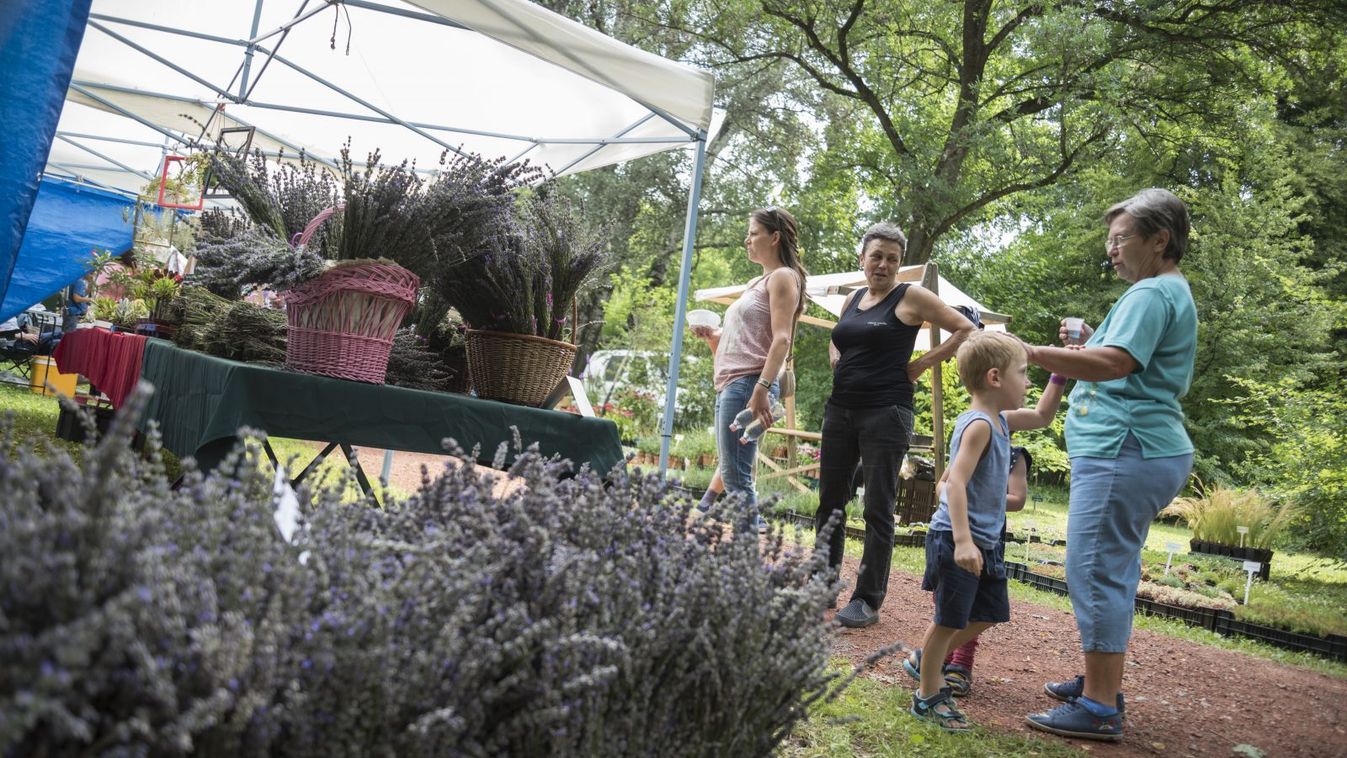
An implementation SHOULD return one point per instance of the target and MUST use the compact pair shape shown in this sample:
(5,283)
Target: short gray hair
(884,231)
(1155,210)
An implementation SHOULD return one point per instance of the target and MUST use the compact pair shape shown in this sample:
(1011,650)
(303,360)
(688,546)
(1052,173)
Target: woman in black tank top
(868,418)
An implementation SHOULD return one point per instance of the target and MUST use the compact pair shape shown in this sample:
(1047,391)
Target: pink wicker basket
(342,323)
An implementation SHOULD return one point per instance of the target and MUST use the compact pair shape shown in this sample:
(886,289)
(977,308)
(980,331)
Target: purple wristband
(1058,380)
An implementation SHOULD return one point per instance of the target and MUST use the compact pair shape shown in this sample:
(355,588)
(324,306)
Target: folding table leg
(359,472)
(313,464)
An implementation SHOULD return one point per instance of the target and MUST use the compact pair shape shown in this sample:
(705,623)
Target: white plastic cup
(703,317)
(1075,327)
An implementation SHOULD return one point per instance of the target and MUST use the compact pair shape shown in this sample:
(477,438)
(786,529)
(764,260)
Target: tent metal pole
(113,161)
(81,86)
(595,149)
(670,140)
(146,51)
(288,25)
(248,54)
(119,109)
(681,308)
(138,142)
(429,18)
(356,99)
(75,174)
(104,138)
(166,29)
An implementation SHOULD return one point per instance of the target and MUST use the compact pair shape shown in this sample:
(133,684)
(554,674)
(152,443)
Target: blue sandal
(912,664)
(939,708)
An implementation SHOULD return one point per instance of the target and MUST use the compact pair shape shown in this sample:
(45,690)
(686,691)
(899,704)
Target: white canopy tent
(496,77)
(413,79)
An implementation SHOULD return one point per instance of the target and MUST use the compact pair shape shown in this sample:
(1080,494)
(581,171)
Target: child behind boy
(965,556)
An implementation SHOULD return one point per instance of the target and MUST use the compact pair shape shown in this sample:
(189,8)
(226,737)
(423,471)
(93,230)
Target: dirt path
(1183,698)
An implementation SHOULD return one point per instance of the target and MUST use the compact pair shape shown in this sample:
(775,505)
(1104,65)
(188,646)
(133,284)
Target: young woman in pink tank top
(751,348)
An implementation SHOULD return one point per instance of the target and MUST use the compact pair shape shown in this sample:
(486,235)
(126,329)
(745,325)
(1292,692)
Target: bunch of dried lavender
(249,333)
(302,191)
(572,252)
(414,363)
(526,281)
(222,223)
(194,310)
(246,182)
(226,265)
(384,215)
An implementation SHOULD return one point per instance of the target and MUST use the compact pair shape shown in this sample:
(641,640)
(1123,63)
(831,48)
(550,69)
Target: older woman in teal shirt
(1130,455)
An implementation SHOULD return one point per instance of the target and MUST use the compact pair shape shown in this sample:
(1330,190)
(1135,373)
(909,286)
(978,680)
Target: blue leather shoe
(1074,688)
(1066,691)
(1073,719)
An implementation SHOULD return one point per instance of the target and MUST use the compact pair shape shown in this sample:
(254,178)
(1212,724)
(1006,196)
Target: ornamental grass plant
(568,618)
(1216,513)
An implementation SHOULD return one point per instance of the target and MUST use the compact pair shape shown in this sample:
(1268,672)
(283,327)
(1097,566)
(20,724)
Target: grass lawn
(870,718)
(34,418)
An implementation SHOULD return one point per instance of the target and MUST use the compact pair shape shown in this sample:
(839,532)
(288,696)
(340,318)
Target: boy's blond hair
(984,351)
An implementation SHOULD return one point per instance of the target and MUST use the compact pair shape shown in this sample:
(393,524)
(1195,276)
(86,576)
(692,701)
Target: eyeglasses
(1117,241)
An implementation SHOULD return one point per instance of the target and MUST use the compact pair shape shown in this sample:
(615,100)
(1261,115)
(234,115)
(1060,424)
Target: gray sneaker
(857,614)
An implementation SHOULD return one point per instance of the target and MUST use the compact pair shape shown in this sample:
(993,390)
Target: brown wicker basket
(516,368)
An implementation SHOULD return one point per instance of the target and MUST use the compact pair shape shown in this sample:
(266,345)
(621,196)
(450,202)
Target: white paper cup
(703,317)
(1075,327)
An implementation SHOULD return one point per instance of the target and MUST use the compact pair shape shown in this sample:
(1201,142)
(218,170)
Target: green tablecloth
(201,401)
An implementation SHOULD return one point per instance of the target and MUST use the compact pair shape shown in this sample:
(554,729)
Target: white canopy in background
(497,77)
(829,291)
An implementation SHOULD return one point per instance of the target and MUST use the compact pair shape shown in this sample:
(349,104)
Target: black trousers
(878,438)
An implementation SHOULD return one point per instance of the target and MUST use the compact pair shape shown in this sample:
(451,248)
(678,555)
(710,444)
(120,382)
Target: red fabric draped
(110,361)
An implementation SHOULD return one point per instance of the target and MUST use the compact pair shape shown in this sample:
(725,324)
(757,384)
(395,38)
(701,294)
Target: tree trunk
(919,246)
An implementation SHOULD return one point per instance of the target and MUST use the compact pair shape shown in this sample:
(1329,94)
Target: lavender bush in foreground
(565,619)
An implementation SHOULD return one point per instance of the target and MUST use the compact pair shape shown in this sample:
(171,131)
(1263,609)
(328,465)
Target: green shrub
(567,618)
(693,444)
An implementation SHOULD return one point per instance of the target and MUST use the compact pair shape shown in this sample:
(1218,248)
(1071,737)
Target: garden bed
(1222,622)
(1261,555)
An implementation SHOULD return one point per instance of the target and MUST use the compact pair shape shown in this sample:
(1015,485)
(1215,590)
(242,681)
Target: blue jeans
(736,461)
(1113,502)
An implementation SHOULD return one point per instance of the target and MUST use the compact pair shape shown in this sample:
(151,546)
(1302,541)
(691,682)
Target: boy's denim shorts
(960,596)
(1113,502)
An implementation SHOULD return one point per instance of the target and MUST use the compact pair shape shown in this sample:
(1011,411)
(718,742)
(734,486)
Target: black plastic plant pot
(1220,549)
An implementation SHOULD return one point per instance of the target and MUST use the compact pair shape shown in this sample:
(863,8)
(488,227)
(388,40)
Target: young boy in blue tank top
(965,556)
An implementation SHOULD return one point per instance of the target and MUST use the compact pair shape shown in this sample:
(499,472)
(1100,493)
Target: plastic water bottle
(742,420)
(755,428)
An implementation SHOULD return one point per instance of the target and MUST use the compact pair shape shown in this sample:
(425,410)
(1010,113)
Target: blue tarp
(69,223)
(38,43)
